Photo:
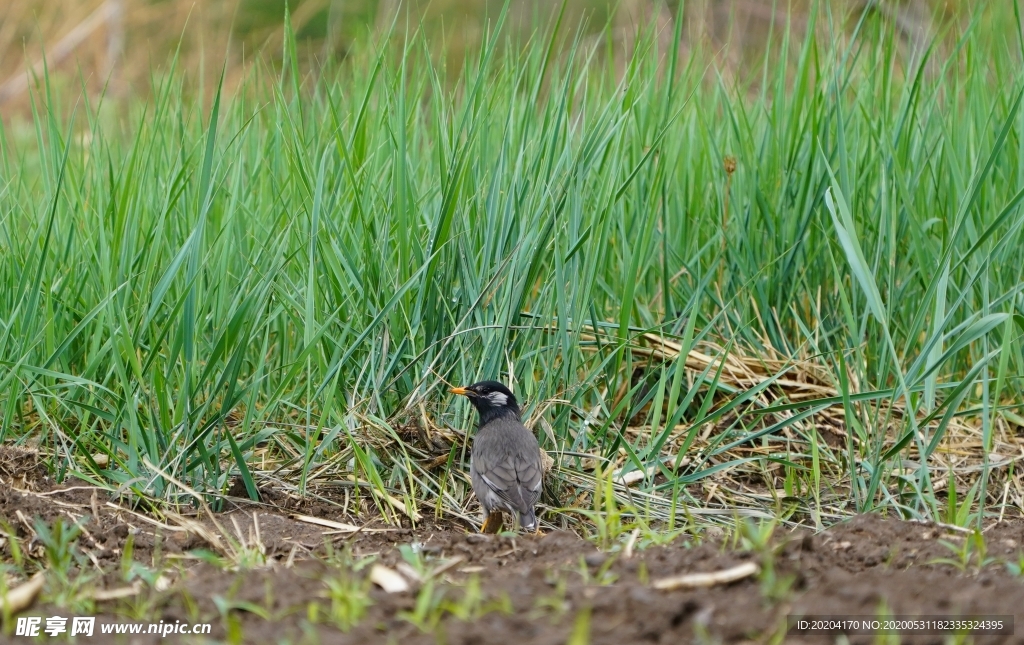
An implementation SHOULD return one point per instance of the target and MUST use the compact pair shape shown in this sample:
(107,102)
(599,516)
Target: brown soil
(534,590)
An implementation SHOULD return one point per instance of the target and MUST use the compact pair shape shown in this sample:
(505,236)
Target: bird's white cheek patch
(497,399)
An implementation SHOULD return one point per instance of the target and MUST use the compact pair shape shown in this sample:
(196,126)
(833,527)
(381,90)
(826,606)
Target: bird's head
(490,398)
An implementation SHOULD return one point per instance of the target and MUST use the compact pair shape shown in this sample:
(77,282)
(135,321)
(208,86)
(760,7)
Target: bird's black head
(491,399)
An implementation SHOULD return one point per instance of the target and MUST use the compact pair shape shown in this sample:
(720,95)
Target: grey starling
(505,464)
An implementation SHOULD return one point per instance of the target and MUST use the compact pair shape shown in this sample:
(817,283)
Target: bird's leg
(493,523)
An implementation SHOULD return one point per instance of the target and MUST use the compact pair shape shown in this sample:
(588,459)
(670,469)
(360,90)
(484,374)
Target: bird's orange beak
(461,390)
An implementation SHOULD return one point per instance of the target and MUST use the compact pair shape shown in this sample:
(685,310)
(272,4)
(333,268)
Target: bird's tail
(528,520)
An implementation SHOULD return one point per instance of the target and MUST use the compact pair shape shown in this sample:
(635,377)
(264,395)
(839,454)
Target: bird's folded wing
(530,474)
(517,483)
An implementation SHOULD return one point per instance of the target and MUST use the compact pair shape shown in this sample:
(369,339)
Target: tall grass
(279,286)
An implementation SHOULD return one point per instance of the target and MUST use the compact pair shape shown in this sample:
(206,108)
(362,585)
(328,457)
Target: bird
(505,461)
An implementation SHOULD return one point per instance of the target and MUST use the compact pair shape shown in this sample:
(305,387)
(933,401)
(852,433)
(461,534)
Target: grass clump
(703,280)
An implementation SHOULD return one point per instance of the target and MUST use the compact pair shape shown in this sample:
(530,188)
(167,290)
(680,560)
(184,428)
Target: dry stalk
(22,596)
(699,580)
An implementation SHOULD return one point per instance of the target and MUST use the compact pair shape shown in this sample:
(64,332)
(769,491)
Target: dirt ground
(522,589)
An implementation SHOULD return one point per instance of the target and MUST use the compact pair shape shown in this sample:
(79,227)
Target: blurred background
(117,47)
